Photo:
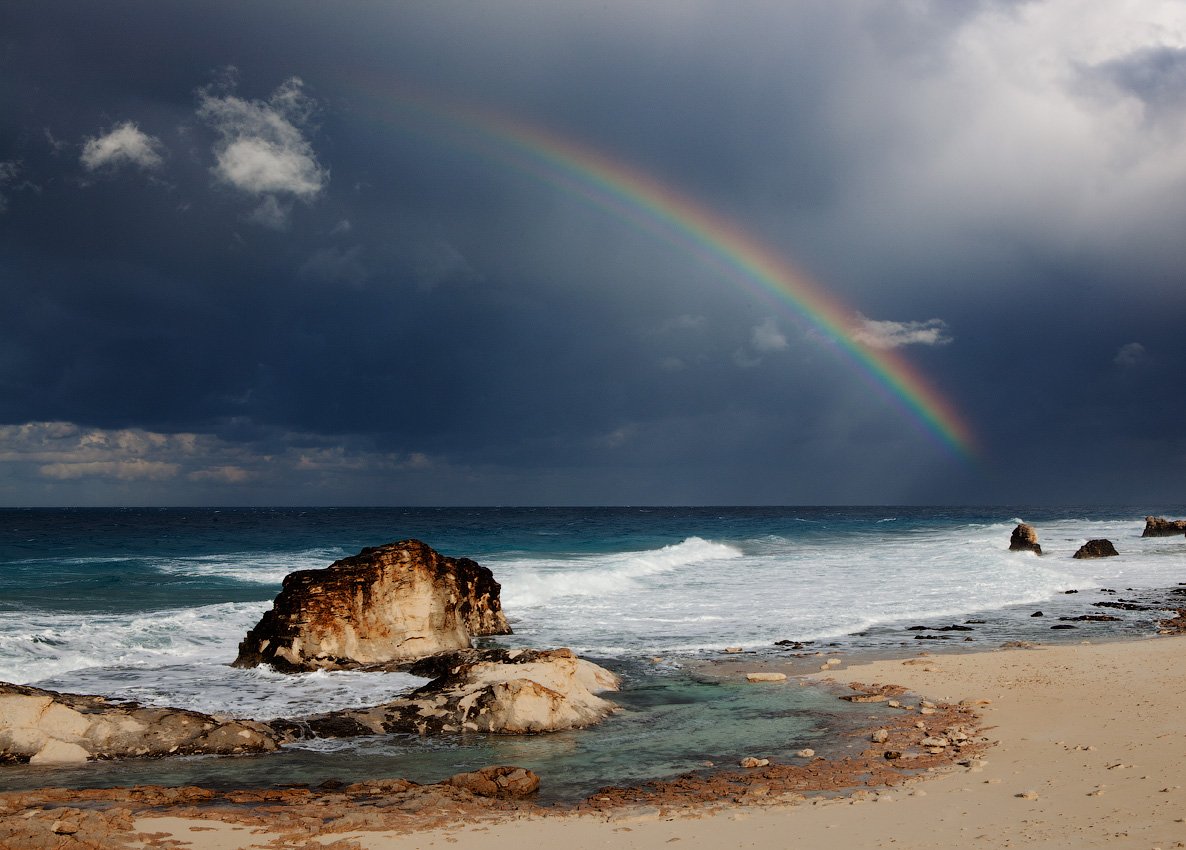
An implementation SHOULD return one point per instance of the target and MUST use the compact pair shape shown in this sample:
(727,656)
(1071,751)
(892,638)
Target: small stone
(733,649)
(64,827)
(935,750)
(891,755)
(1027,795)
(926,704)
(933,742)
(832,662)
(880,736)
(751,762)
(765,677)
(925,710)
(894,704)
(806,753)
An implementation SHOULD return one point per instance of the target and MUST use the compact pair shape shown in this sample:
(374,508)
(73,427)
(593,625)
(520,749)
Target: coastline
(1089,734)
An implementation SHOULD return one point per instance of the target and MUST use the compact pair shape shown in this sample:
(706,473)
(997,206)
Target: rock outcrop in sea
(1100,548)
(391,604)
(1024,539)
(516,691)
(1156,526)
(45,727)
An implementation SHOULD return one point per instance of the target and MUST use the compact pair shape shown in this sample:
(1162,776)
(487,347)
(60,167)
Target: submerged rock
(1156,526)
(46,727)
(386,605)
(484,690)
(1024,539)
(1097,549)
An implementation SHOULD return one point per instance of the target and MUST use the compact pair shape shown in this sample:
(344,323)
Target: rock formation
(498,781)
(481,690)
(1097,549)
(1156,526)
(386,605)
(1024,539)
(44,727)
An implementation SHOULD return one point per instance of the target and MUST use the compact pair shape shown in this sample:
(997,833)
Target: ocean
(150,604)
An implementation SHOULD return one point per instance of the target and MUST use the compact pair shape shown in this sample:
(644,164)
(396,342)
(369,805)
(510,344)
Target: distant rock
(1024,539)
(1097,549)
(481,690)
(46,727)
(1156,526)
(386,605)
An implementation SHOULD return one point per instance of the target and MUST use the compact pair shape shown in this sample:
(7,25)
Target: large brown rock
(1024,539)
(46,727)
(1156,526)
(502,691)
(497,781)
(386,605)
(1097,549)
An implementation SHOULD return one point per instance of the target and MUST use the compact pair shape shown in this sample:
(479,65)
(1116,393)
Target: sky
(450,253)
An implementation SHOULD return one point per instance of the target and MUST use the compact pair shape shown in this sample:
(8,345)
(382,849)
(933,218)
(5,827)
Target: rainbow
(637,197)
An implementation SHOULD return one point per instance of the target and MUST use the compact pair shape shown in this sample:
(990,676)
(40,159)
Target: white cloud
(271,213)
(336,264)
(745,360)
(124,144)
(8,173)
(262,149)
(124,470)
(1130,355)
(65,452)
(884,334)
(684,322)
(767,337)
(221,474)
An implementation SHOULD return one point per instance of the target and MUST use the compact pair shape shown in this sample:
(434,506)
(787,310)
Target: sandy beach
(1087,749)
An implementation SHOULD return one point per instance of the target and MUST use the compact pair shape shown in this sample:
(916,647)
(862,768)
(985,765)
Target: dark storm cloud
(236,267)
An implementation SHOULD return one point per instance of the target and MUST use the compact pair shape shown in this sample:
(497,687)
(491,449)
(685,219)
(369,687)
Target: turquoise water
(149,604)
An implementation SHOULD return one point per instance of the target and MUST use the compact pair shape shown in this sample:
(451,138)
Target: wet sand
(1086,747)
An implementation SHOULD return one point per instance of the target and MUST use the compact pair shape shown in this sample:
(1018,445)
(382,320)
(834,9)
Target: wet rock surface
(1096,549)
(386,605)
(1156,526)
(45,727)
(482,690)
(1024,539)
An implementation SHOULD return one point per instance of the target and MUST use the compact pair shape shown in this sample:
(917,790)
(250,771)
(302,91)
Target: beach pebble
(933,742)
(832,662)
(765,677)
(806,753)
(64,827)
(733,649)
(894,704)
(880,736)
(925,710)
(927,704)
(750,762)
(891,755)
(1027,795)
